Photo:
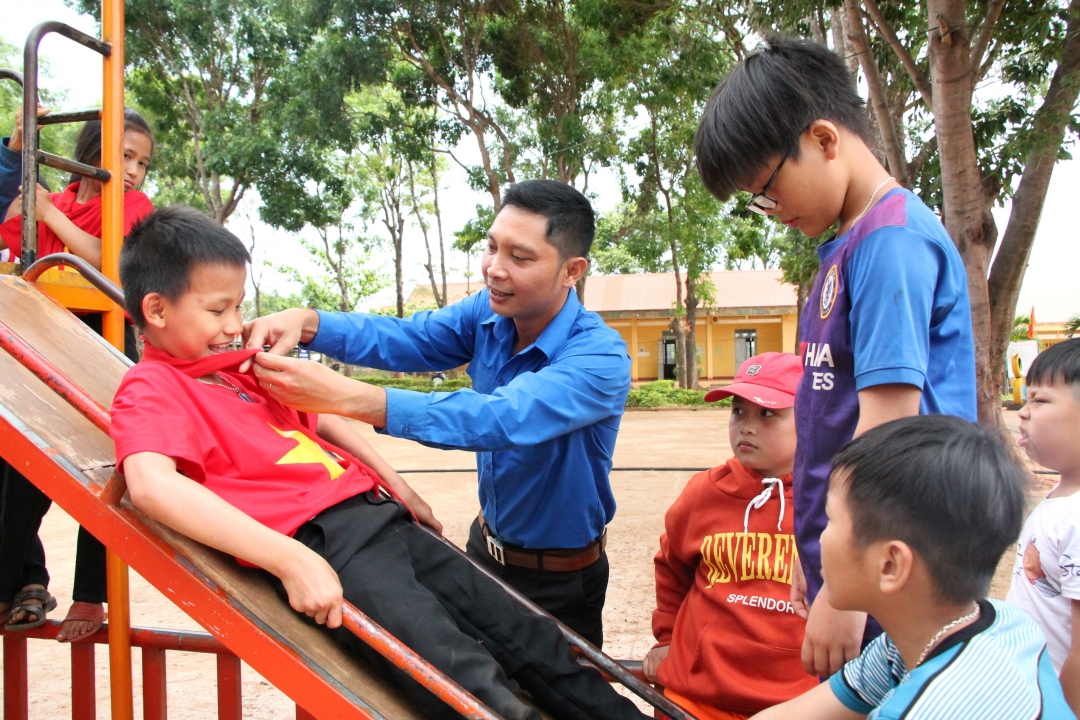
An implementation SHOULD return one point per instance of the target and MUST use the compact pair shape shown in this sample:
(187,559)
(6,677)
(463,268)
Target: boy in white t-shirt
(1046,578)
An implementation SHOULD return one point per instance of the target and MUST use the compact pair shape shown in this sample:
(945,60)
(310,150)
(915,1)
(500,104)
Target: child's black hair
(943,485)
(164,247)
(88,144)
(571,220)
(1058,363)
(759,111)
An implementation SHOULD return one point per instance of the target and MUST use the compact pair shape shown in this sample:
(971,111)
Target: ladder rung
(62,163)
(70,117)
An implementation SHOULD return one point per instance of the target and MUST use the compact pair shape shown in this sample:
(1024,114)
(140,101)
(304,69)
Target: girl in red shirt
(70,221)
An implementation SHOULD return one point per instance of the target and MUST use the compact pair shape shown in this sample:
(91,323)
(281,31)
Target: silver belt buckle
(495,549)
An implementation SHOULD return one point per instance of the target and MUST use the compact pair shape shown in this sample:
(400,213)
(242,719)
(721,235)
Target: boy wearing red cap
(728,639)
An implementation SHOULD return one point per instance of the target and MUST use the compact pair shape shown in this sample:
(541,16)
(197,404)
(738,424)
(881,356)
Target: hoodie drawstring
(761,499)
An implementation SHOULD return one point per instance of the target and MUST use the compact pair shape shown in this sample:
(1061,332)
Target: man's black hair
(88,144)
(758,113)
(1056,364)
(164,247)
(946,487)
(571,220)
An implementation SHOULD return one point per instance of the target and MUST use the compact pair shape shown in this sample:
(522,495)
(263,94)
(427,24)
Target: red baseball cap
(768,379)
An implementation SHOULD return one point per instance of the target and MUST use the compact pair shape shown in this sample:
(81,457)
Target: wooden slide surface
(70,459)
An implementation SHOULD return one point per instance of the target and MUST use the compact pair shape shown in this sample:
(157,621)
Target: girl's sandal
(30,610)
(93,613)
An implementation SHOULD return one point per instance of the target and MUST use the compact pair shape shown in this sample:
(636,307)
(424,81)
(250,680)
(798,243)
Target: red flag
(1031,324)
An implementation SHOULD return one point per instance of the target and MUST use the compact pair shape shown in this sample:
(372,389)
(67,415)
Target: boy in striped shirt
(920,511)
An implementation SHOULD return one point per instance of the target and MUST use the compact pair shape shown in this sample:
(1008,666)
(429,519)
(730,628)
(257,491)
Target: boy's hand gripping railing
(355,621)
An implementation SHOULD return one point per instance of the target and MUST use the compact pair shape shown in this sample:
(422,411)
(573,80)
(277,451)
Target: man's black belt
(562,560)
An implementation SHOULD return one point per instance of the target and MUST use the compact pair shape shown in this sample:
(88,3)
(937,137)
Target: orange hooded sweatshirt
(723,582)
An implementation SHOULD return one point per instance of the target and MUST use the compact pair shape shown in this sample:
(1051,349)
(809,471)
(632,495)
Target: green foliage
(663,393)
(241,92)
(628,243)
(411,308)
(1021,323)
(1072,325)
(344,279)
(418,384)
(471,238)
(272,301)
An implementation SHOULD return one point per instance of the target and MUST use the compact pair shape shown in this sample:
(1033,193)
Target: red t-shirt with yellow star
(246,447)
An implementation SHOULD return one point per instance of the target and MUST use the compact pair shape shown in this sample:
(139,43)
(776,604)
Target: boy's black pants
(433,600)
(22,556)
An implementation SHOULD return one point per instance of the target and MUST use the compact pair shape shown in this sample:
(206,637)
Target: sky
(1051,283)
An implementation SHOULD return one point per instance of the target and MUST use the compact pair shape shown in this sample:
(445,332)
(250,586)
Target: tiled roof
(656,291)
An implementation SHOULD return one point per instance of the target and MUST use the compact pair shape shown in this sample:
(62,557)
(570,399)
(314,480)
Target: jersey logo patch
(828,293)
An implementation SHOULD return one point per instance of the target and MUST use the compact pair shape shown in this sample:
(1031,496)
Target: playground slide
(72,461)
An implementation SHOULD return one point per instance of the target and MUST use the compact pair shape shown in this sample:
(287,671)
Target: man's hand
(798,592)
(301,384)
(312,387)
(281,331)
(832,637)
(313,587)
(651,663)
(15,141)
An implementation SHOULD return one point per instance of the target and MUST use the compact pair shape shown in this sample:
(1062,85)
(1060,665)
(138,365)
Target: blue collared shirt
(542,422)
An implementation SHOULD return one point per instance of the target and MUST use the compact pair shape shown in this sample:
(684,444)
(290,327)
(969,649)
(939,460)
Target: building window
(745,346)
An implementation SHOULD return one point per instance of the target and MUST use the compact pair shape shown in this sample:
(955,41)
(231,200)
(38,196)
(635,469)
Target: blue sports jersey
(997,668)
(890,305)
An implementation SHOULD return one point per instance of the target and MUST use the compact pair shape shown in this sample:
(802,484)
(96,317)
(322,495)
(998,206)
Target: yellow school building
(753,312)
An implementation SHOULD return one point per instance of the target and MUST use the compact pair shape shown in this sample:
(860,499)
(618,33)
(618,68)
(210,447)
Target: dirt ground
(648,439)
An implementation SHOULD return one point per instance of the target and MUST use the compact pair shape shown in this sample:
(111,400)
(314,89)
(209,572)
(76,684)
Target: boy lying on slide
(208,453)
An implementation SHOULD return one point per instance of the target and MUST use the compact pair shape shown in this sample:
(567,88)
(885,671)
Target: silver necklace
(871,200)
(228,386)
(959,621)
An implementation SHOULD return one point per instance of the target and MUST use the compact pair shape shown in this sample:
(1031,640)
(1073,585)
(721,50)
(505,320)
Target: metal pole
(112,322)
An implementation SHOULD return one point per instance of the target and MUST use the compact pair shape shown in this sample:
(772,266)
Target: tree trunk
(966,214)
(1012,257)
(802,292)
(438,223)
(676,322)
(890,139)
(691,336)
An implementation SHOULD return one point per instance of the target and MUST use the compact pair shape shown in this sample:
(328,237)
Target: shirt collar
(200,367)
(553,336)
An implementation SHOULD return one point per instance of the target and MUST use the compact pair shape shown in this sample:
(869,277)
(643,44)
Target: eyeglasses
(760,202)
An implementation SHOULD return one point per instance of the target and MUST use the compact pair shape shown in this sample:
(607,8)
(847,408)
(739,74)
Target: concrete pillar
(633,349)
(708,348)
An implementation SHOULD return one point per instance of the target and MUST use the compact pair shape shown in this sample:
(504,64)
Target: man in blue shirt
(549,384)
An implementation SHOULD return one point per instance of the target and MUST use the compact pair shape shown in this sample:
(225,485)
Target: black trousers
(432,599)
(575,598)
(22,556)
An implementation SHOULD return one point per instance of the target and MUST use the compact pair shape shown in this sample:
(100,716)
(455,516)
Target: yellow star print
(307,452)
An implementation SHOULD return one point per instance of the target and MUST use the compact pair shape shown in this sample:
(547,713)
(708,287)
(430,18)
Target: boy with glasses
(886,330)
